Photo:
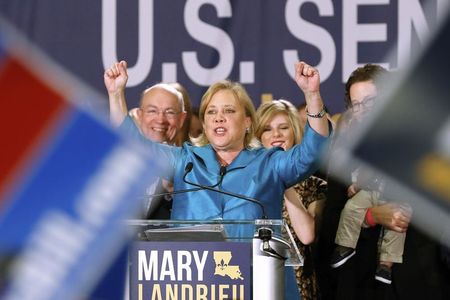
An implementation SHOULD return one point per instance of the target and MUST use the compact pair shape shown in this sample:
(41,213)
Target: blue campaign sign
(65,223)
(68,181)
(190,270)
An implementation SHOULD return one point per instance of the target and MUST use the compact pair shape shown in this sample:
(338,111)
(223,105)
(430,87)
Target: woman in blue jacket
(228,118)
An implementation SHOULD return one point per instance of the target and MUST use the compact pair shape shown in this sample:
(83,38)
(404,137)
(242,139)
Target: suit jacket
(422,275)
(157,207)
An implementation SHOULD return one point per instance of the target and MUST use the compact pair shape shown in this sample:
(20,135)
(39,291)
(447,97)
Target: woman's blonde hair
(242,98)
(268,110)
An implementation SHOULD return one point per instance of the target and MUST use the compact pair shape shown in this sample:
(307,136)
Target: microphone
(264,233)
(189,167)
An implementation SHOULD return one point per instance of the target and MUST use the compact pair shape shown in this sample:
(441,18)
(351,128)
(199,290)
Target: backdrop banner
(197,42)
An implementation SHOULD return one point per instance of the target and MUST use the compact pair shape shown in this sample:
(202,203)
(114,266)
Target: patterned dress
(309,190)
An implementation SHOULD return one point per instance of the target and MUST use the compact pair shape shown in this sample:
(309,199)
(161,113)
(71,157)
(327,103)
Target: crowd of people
(356,244)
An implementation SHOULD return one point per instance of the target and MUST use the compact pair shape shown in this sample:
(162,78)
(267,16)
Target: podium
(269,243)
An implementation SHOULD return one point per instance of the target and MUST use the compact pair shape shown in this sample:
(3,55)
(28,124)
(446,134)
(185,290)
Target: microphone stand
(264,216)
(186,171)
(268,263)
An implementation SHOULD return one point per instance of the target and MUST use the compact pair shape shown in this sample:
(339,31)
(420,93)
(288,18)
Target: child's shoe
(383,274)
(340,255)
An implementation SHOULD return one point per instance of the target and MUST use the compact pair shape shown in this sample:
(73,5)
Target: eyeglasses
(169,113)
(363,105)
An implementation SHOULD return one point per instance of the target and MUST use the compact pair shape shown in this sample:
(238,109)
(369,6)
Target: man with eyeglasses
(160,118)
(161,113)
(361,89)
(362,272)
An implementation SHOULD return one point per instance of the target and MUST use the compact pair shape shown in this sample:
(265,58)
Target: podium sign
(190,270)
(210,259)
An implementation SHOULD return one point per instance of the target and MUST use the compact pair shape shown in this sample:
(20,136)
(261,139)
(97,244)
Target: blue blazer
(260,173)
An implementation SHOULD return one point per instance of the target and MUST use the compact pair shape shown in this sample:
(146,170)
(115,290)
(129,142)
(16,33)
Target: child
(357,214)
